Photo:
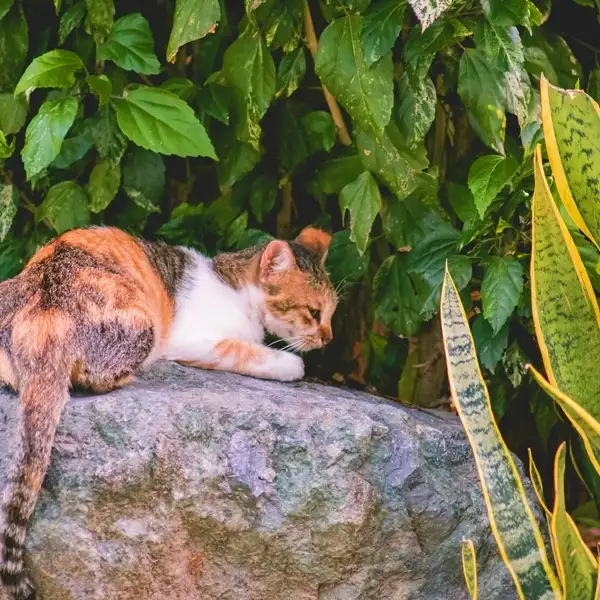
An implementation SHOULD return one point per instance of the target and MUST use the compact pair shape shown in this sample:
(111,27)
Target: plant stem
(334,109)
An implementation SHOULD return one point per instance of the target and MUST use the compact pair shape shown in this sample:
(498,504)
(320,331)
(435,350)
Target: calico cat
(95,305)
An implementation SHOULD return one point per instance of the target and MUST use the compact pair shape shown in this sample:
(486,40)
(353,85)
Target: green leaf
(381,28)
(396,300)
(144,178)
(548,53)
(74,147)
(361,197)
(593,86)
(469,562)
(249,71)
(421,47)
(577,565)
(235,230)
(366,93)
(46,132)
(395,167)
(103,186)
(130,45)
(319,131)
(6,149)
(159,121)
(490,346)
(403,221)
(64,207)
(345,263)
(263,195)
(14,43)
(13,113)
(108,138)
(293,150)
(415,110)
(53,69)
(428,11)
(501,290)
(487,176)
(9,201)
(334,174)
(236,158)
(564,306)
(290,73)
(70,20)
(215,100)
(101,86)
(5,6)
(505,12)
(428,259)
(572,130)
(513,524)
(283,26)
(462,201)
(503,47)
(181,87)
(193,19)
(99,20)
(481,87)
(253,237)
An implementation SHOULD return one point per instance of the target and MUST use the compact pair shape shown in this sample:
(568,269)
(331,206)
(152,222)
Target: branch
(334,109)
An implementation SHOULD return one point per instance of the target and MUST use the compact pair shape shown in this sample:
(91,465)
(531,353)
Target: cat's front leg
(248,358)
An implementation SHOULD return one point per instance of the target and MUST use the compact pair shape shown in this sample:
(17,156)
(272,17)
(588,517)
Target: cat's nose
(326,334)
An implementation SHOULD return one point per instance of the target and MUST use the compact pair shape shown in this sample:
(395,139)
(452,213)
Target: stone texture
(192,485)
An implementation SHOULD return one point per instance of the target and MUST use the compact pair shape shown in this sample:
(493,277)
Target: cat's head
(299,298)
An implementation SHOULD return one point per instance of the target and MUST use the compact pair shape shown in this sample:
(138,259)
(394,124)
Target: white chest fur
(207,310)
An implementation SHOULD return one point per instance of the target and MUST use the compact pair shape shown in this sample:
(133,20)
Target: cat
(96,305)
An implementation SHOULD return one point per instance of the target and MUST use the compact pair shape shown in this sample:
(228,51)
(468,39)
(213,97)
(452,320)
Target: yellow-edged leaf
(564,307)
(597,592)
(587,427)
(577,566)
(469,563)
(536,481)
(571,122)
(512,522)
(538,488)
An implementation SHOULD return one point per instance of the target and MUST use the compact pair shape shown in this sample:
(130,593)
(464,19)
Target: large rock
(192,485)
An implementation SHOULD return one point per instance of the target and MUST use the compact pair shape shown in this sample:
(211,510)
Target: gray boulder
(194,485)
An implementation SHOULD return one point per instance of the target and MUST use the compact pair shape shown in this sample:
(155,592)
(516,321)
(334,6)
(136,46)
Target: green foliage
(406,130)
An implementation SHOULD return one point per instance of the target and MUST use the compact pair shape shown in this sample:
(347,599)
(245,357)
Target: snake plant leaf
(597,592)
(538,488)
(577,566)
(469,563)
(512,522)
(571,123)
(564,307)
(585,424)
(536,482)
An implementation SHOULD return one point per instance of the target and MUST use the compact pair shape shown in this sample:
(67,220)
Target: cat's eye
(315,314)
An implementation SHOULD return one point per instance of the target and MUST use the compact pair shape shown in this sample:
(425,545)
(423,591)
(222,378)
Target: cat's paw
(287,367)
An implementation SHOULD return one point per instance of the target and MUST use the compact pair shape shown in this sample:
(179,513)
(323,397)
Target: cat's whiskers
(287,339)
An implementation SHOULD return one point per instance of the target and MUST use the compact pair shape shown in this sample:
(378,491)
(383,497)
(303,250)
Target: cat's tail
(42,398)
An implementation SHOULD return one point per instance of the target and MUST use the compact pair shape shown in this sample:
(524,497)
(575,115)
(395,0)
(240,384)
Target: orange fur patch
(314,239)
(34,330)
(123,250)
(242,353)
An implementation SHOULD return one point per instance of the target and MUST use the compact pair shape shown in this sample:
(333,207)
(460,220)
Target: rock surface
(192,485)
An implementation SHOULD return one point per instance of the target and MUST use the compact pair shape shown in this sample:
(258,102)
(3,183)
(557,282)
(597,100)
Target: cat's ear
(316,240)
(277,258)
